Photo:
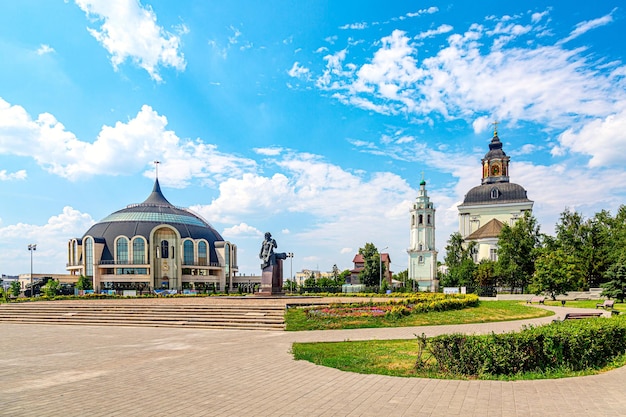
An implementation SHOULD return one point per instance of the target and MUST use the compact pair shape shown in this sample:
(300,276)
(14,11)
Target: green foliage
(485,273)
(51,288)
(370,275)
(518,247)
(83,283)
(615,287)
(556,272)
(402,276)
(15,288)
(573,345)
(461,266)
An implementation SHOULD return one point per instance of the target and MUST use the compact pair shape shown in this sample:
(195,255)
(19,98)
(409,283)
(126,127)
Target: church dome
(495,149)
(497,193)
(141,219)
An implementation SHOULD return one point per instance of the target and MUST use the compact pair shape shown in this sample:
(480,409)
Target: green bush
(573,345)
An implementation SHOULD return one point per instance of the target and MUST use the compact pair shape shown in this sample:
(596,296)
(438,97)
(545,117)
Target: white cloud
(298,71)
(354,26)
(584,27)
(51,239)
(18,175)
(44,49)
(122,149)
(129,31)
(241,230)
(274,151)
(434,32)
(602,139)
(430,10)
(345,250)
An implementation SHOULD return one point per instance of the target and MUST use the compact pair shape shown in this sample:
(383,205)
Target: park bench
(606,304)
(579,316)
(539,300)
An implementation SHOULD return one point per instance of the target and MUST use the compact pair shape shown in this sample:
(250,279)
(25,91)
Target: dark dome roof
(140,219)
(507,192)
(495,148)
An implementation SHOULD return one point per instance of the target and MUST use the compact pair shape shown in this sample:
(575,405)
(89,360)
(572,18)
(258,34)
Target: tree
(310,281)
(485,274)
(615,287)
(459,261)
(51,288)
(83,283)
(15,288)
(341,279)
(370,275)
(556,272)
(518,247)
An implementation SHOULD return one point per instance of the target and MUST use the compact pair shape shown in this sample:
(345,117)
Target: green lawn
(621,307)
(487,311)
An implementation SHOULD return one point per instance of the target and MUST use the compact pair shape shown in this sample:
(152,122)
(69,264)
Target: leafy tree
(83,283)
(15,288)
(341,279)
(518,247)
(485,274)
(370,275)
(556,272)
(326,282)
(310,281)
(615,287)
(51,288)
(402,276)
(459,261)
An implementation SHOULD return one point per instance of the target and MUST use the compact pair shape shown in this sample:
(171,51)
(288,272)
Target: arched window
(412,220)
(428,219)
(89,257)
(139,251)
(420,219)
(188,252)
(420,247)
(165,249)
(202,253)
(420,259)
(121,250)
(495,193)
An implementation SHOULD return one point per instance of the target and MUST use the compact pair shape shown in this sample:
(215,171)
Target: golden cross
(495,127)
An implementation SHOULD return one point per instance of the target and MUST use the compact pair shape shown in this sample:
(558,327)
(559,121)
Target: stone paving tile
(121,371)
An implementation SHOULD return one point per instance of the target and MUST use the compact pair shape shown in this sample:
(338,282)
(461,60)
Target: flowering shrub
(419,303)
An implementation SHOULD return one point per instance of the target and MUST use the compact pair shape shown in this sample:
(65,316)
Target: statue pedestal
(272,279)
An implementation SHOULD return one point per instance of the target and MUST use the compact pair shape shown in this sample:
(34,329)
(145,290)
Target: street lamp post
(380,267)
(31,249)
(290,256)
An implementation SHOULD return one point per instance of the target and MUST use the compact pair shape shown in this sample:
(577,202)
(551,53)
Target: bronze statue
(267,250)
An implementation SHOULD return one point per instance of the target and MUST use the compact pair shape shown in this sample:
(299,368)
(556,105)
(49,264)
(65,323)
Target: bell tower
(422,252)
(495,163)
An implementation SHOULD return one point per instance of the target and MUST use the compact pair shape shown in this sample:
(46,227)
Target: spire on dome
(156,198)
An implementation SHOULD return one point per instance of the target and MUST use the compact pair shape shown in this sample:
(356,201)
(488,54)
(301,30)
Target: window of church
(495,193)
(428,219)
(420,219)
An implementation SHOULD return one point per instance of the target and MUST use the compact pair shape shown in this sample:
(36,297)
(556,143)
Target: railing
(118,262)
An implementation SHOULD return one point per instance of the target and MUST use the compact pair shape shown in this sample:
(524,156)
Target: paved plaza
(61,370)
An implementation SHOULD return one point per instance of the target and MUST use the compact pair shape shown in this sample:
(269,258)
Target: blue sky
(311,120)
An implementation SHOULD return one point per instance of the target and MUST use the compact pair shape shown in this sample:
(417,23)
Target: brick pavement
(119,371)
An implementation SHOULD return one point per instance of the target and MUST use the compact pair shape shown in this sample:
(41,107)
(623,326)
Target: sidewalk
(118,371)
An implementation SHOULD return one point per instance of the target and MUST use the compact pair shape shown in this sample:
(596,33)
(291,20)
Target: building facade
(422,251)
(495,202)
(153,246)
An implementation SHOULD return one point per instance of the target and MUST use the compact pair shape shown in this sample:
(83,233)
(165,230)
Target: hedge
(574,345)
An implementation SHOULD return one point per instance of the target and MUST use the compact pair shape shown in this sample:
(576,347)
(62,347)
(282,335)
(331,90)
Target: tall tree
(370,275)
(615,285)
(517,251)
(459,262)
(556,272)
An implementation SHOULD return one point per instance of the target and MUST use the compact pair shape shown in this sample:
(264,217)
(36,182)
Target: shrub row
(572,345)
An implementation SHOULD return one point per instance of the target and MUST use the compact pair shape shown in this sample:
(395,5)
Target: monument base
(272,279)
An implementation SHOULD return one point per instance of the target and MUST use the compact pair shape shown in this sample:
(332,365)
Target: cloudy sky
(313,120)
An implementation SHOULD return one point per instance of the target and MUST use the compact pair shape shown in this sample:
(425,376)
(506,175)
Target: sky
(312,120)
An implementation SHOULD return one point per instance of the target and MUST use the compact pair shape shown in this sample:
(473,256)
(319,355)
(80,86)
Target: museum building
(153,246)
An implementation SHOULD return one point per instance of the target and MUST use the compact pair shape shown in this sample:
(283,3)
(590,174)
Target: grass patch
(586,304)
(399,358)
(487,311)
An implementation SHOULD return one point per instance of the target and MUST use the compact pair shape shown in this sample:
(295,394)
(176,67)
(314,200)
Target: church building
(422,252)
(495,202)
(153,246)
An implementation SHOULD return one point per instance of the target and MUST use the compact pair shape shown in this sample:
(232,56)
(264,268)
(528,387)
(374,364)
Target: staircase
(152,313)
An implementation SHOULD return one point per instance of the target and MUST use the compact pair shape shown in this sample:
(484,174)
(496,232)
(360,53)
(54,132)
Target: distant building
(359,265)
(153,245)
(495,202)
(422,251)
